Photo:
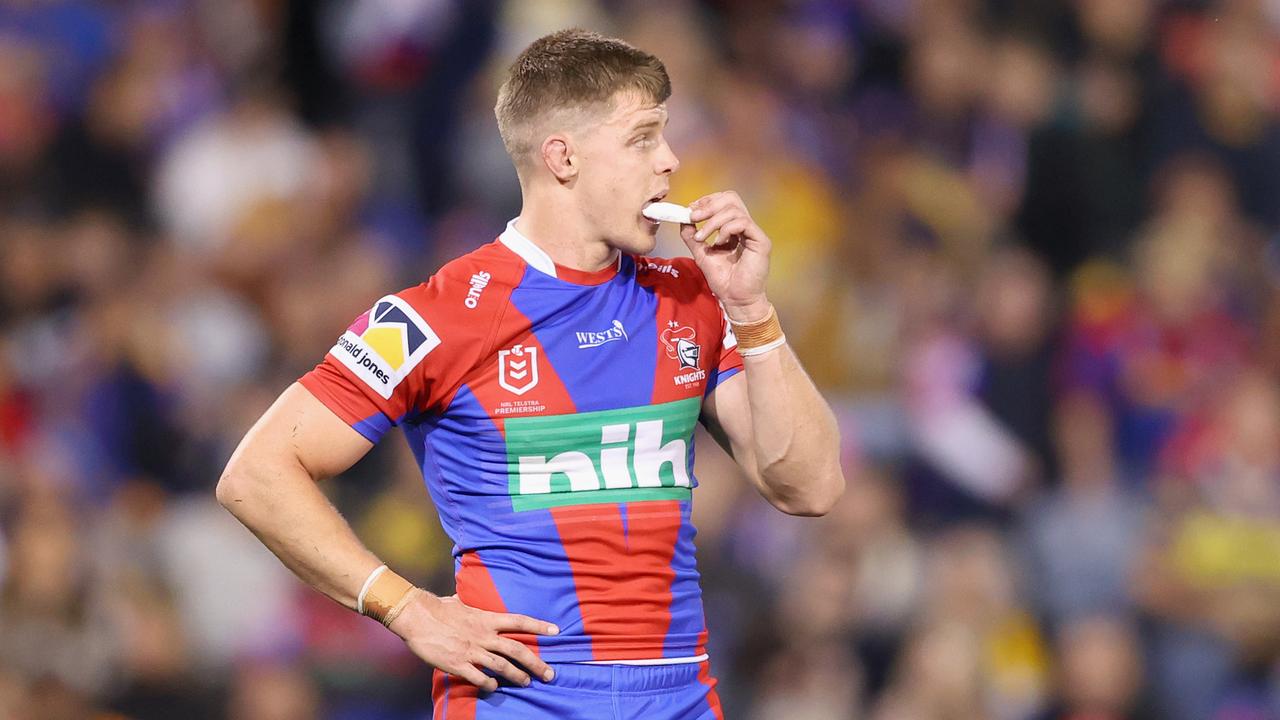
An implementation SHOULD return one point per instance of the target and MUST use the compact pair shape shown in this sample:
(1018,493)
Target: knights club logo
(518,369)
(680,343)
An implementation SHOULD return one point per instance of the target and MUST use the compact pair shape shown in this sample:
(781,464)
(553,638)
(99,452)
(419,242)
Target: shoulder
(468,281)
(675,274)
(680,281)
(455,309)
(468,287)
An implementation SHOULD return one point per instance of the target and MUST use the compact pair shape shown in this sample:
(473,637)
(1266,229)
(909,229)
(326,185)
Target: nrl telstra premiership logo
(596,339)
(518,369)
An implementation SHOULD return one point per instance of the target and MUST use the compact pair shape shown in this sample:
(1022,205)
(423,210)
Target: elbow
(251,482)
(817,499)
(806,508)
(233,487)
(805,481)
(813,506)
(227,492)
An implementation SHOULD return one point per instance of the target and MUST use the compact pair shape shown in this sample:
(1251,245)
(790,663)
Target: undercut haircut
(571,71)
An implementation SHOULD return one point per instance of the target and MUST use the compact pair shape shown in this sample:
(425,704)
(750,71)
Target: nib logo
(607,456)
(518,369)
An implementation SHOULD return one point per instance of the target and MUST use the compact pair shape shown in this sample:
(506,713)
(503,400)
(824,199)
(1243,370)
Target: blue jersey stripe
(716,377)
(687,620)
(373,427)
(521,551)
(613,373)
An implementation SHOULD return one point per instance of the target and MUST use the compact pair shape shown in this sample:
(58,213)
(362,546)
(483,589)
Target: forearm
(282,505)
(285,509)
(270,485)
(795,440)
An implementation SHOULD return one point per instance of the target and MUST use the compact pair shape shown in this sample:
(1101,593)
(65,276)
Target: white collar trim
(527,250)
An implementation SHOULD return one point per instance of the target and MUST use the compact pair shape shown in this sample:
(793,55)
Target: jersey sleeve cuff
(371,427)
(720,376)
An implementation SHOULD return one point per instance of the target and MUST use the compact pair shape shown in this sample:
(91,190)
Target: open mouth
(656,198)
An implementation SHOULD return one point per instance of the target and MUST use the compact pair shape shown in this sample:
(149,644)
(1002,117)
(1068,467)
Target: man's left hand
(733,253)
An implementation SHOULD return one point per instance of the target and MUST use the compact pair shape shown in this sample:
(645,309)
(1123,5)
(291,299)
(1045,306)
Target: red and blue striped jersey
(552,413)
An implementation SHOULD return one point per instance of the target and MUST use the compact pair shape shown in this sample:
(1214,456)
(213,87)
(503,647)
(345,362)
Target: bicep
(726,413)
(300,429)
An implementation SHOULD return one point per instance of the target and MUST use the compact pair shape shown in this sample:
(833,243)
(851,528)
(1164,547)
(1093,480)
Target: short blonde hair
(569,71)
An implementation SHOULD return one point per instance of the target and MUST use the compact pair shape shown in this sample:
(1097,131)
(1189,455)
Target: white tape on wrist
(368,583)
(752,352)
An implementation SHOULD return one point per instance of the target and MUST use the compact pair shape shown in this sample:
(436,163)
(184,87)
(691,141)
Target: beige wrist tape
(399,607)
(384,593)
(760,336)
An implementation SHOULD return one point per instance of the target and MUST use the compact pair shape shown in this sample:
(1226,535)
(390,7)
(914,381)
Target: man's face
(625,164)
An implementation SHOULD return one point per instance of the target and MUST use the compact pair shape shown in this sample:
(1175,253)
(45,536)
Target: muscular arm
(270,486)
(776,425)
(770,417)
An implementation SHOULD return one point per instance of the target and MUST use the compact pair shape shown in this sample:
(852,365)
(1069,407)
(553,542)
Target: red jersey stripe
(476,587)
(452,699)
(596,540)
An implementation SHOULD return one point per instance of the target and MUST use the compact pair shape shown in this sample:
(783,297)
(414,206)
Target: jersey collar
(538,259)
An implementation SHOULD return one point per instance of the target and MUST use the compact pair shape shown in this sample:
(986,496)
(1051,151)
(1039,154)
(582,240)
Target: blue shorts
(588,692)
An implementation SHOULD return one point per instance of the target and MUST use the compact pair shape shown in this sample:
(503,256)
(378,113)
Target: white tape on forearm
(368,583)
(751,352)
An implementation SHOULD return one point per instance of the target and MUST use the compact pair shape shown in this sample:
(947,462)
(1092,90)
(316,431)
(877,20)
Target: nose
(667,161)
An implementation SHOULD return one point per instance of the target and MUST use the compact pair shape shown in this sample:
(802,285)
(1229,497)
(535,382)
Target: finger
(713,224)
(702,201)
(695,246)
(502,666)
(717,221)
(706,206)
(511,622)
(732,230)
(523,655)
(475,676)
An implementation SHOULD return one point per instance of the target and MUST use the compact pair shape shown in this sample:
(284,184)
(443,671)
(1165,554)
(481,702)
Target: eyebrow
(650,123)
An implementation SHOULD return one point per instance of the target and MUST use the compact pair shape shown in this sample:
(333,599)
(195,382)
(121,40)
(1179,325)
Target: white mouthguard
(668,212)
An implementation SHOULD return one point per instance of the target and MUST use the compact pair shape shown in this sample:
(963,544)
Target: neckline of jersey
(538,259)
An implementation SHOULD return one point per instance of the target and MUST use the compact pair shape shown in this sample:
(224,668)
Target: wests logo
(598,338)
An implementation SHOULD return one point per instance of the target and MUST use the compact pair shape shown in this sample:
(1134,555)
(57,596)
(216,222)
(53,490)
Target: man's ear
(560,157)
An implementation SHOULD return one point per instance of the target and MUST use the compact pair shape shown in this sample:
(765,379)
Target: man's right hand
(461,640)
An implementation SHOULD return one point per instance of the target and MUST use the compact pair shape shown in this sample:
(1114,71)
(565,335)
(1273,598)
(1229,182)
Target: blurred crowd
(1030,249)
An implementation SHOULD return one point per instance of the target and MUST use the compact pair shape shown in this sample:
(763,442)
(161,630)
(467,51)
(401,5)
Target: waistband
(625,679)
(654,661)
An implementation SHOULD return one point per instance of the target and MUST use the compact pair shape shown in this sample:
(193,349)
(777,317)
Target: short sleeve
(729,362)
(388,365)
